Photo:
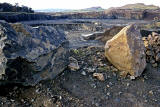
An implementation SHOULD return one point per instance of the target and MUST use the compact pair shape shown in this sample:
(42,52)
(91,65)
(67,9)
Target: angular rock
(158,57)
(152,61)
(146,44)
(29,55)
(149,52)
(126,51)
(99,76)
(73,64)
(154,34)
(108,34)
(155,65)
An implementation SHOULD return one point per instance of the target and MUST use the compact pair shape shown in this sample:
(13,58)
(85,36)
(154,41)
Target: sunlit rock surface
(126,51)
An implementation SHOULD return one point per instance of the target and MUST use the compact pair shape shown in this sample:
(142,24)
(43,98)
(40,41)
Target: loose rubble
(81,89)
(152,45)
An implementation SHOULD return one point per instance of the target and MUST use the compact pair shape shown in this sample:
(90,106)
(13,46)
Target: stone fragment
(99,76)
(152,61)
(154,34)
(126,51)
(158,57)
(155,65)
(146,43)
(149,52)
(83,73)
(150,92)
(73,64)
(144,38)
(155,38)
(114,69)
(150,37)
(132,77)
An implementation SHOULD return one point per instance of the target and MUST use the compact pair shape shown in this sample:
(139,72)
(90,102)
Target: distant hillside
(53,10)
(130,12)
(93,9)
(139,6)
(71,10)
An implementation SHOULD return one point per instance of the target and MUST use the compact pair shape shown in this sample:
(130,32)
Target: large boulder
(126,51)
(108,34)
(29,55)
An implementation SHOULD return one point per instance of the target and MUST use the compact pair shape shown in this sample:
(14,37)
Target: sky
(77,4)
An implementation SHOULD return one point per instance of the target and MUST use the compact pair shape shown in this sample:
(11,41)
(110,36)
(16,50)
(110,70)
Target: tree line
(7,7)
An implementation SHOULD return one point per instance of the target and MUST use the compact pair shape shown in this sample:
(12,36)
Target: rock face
(106,14)
(132,11)
(126,51)
(126,14)
(22,16)
(29,55)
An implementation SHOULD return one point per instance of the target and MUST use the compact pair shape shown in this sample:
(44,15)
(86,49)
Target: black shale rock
(29,55)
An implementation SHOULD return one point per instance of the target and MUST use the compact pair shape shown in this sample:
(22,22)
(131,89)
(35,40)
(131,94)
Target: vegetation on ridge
(139,6)
(6,7)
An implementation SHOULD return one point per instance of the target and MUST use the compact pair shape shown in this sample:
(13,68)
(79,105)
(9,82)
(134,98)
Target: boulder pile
(152,44)
(126,51)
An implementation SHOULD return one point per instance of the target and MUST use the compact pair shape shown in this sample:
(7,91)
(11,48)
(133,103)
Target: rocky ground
(37,70)
(94,84)
(89,81)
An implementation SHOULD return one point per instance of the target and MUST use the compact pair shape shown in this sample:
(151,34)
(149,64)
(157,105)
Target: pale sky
(78,4)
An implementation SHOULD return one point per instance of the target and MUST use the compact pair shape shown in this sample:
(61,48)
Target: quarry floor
(80,89)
